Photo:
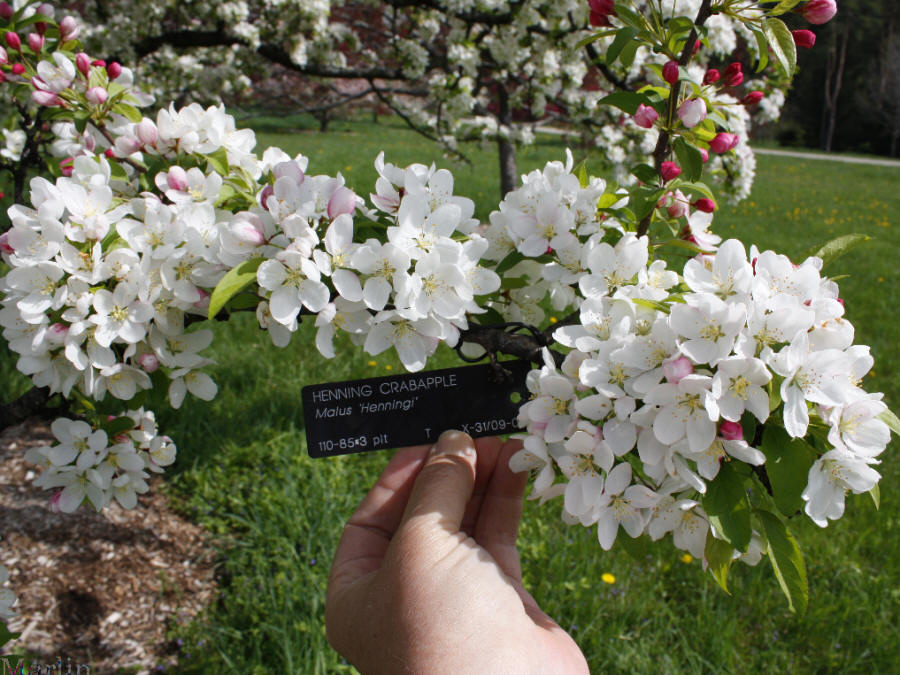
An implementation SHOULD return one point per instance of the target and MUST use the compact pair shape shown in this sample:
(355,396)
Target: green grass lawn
(243,471)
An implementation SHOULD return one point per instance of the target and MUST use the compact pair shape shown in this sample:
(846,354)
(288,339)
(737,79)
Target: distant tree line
(846,96)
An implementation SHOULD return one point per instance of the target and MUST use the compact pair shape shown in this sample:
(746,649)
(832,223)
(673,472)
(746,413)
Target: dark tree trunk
(509,174)
(834,75)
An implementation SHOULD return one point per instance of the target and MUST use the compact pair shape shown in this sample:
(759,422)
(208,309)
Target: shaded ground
(98,589)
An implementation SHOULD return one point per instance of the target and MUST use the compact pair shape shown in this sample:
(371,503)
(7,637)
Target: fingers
(369,530)
(445,483)
(497,526)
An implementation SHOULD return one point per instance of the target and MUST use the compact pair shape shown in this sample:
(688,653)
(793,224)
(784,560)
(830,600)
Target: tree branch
(662,144)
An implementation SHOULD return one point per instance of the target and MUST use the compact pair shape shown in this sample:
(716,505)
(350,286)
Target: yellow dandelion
(372,363)
(348,168)
(553,319)
(608,578)
(686,558)
(389,367)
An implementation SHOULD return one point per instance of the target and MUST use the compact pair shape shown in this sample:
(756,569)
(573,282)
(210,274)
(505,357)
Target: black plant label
(413,409)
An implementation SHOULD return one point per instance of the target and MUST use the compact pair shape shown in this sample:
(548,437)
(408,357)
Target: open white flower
(830,477)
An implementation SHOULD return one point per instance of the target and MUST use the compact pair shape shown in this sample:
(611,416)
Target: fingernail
(454,443)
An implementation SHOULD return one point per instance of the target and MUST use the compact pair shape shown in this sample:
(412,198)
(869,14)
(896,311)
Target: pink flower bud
(68,29)
(267,192)
(819,11)
(704,154)
(601,10)
(669,171)
(342,201)
(670,72)
(46,9)
(712,75)
(4,244)
(35,42)
(723,142)
(752,98)
(678,207)
(45,98)
(100,63)
(645,116)
(148,362)
(56,334)
(83,63)
(290,169)
(127,145)
(177,179)
(67,166)
(697,44)
(18,69)
(733,76)
(96,95)
(731,431)
(147,132)
(13,41)
(804,38)
(246,233)
(113,69)
(677,369)
(4,59)
(109,152)
(706,205)
(40,27)
(6,12)
(692,111)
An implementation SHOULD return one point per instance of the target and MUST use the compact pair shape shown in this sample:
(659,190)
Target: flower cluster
(99,464)
(666,375)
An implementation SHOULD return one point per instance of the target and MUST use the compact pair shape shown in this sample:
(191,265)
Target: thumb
(444,486)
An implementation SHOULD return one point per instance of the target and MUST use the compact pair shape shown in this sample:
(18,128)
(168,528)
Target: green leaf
(889,418)
(787,561)
(782,44)
(582,174)
(783,7)
(117,171)
(218,162)
(593,38)
(624,36)
(652,304)
(236,280)
(6,635)
(837,247)
(725,502)
(607,199)
(514,282)
(512,259)
(787,465)
(875,494)
(646,174)
(626,58)
(689,159)
(131,113)
(627,101)
(763,48)
(491,317)
(718,556)
(629,16)
(643,200)
(117,426)
(697,188)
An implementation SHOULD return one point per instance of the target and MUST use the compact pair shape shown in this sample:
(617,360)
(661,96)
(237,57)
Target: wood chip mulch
(98,589)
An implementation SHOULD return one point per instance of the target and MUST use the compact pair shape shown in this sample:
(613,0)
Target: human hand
(426,577)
